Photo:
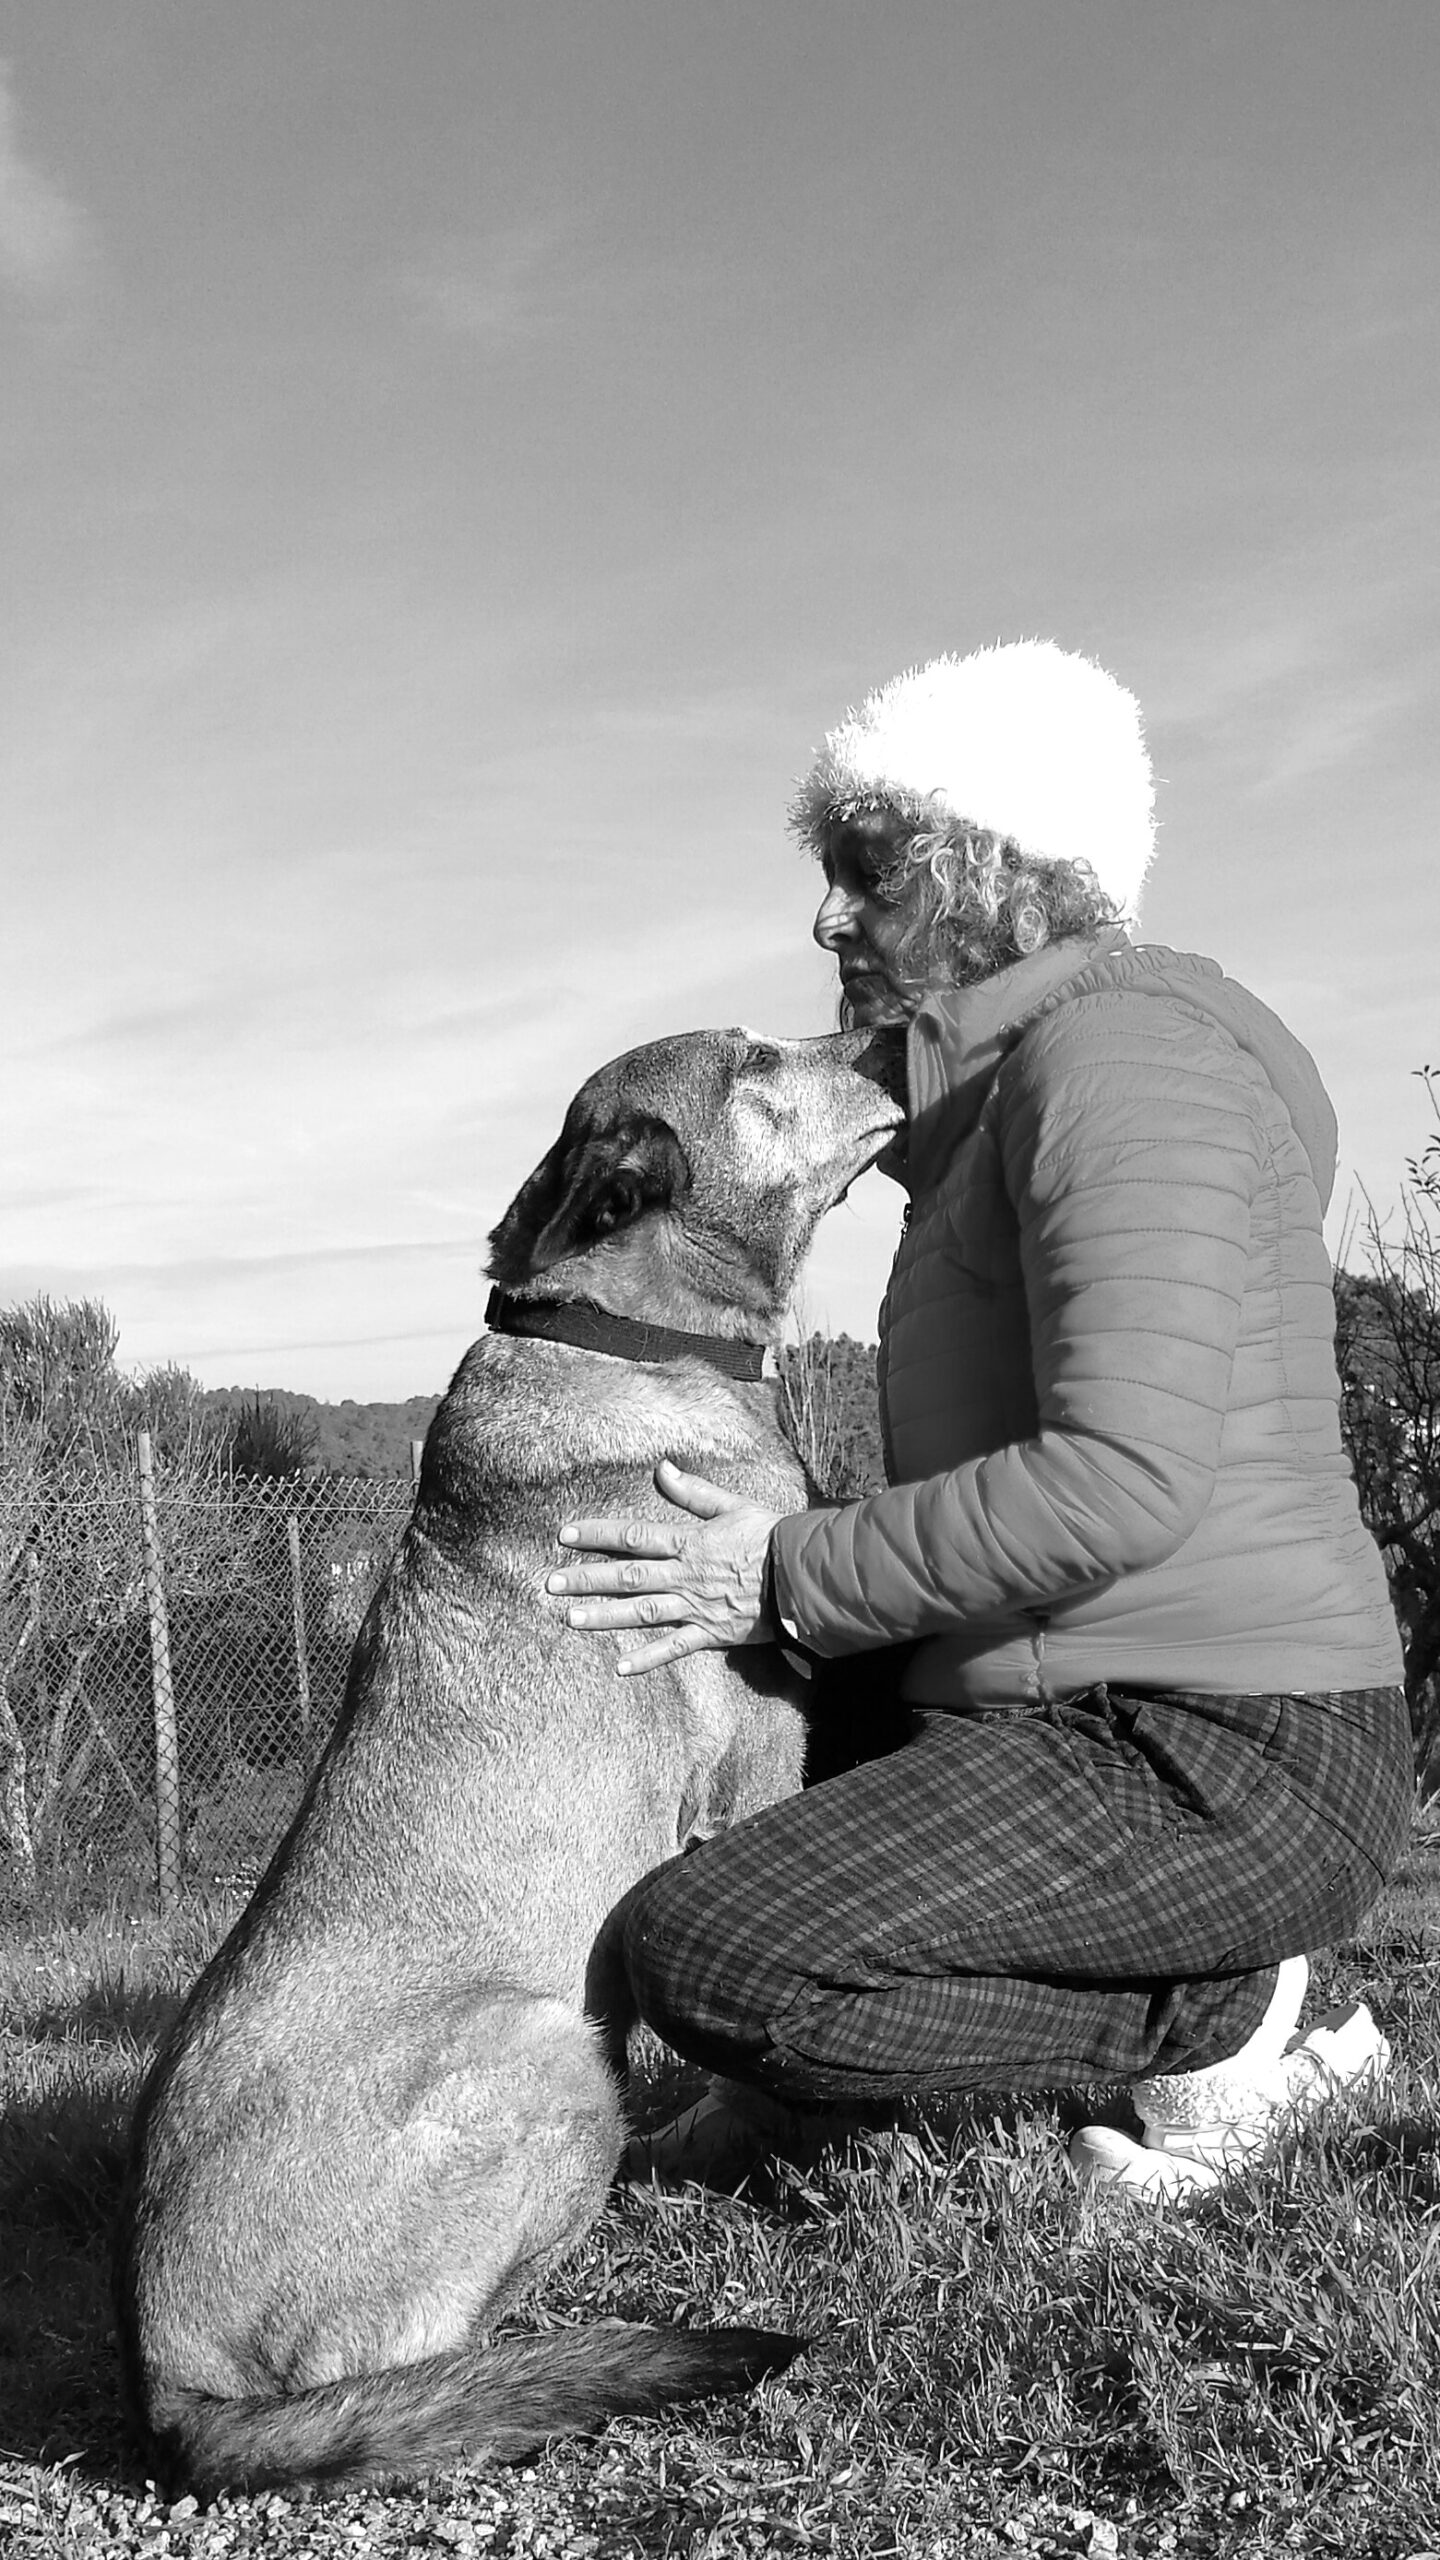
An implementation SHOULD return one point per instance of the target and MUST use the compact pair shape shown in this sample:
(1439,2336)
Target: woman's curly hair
(977,902)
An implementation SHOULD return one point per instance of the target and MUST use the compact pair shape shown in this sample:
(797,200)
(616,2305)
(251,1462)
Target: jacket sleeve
(1131,1141)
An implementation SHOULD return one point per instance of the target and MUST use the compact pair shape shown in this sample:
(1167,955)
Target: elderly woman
(1156,1744)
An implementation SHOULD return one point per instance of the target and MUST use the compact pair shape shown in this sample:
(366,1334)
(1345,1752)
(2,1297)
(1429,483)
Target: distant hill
(350,1439)
(828,1408)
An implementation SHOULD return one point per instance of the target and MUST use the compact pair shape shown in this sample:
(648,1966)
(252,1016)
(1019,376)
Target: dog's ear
(586,1188)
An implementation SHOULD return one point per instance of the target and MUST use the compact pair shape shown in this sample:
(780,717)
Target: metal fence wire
(172,1659)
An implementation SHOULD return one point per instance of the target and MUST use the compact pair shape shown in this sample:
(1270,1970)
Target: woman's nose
(835,921)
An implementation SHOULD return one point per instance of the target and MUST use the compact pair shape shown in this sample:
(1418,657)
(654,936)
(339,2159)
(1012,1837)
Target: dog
(394,2096)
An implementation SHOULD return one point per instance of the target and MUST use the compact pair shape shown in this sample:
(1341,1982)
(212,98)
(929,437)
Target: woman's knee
(699,1972)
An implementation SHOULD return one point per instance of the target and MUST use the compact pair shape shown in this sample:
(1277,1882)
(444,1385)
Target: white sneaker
(1201,2126)
(1343,2050)
(1221,2117)
(1102,2156)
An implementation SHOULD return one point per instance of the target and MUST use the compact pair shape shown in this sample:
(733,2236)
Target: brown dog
(391,2099)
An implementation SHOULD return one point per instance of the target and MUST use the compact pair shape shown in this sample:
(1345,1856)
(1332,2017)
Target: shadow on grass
(108,2011)
(82,2008)
(59,2382)
(69,2089)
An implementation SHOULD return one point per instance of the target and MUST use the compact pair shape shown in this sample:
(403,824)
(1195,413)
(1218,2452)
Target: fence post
(167,1746)
(302,1650)
(417,1451)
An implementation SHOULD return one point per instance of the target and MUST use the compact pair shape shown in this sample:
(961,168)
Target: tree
(829,1411)
(58,1378)
(270,1441)
(1388,1348)
(57,1370)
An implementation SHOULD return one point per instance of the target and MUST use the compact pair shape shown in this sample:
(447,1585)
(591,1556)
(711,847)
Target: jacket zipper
(886,1449)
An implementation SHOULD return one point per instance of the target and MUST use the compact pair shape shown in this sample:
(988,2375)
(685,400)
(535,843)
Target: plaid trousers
(1027,1898)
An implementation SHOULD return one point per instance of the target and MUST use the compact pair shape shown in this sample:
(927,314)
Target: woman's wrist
(778,1606)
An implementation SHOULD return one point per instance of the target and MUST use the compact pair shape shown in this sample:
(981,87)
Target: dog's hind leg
(517,2143)
(469,2167)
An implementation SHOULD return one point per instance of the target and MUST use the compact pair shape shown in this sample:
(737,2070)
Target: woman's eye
(879,883)
(861,870)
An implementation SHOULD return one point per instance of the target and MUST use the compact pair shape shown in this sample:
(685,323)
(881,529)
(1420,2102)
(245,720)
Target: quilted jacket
(1108,1378)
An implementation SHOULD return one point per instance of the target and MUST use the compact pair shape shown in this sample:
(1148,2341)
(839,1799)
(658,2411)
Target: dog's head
(689,1177)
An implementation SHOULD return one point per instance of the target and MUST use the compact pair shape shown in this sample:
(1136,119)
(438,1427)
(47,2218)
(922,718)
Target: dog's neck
(586,1327)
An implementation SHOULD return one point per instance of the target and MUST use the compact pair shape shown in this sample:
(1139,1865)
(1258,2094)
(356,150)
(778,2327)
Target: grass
(998,2363)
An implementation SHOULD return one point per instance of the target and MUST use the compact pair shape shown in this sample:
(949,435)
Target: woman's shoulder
(1148,1021)
(1137,1005)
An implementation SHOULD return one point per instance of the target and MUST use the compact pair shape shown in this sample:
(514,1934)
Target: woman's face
(864,915)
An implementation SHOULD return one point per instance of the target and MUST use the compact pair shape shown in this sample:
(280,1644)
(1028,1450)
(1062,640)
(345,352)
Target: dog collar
(590,1328)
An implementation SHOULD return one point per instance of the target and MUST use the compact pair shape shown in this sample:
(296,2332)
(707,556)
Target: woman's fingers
(621,1537)
(695,1493)
(676,1647)
(643,1609)
(643,1574)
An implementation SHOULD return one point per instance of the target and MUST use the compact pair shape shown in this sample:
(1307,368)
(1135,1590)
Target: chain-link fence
(173,1654)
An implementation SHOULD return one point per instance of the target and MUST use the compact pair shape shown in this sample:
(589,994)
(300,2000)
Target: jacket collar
(960,1036)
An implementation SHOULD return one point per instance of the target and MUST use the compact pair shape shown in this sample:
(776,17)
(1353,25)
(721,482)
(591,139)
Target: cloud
(497,289)
(1345,723)
(1291,691)
(194,1028)
(1239,654)
(197,1270)
(46,241)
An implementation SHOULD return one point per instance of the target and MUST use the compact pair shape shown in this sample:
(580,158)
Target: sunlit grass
(997,2361)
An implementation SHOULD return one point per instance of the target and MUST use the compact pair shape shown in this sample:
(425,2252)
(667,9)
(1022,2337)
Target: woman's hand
(705,1584)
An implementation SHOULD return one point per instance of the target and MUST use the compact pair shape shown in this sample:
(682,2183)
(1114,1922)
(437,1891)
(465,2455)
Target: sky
(455,463)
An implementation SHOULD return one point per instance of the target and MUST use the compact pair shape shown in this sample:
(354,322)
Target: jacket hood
(959,1038)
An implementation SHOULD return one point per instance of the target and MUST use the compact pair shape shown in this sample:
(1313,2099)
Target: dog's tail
(494,2403)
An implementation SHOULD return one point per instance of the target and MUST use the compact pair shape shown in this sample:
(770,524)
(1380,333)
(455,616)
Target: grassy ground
(998,2364)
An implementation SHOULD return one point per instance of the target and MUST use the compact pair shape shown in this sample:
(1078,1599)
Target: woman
(1159,1746)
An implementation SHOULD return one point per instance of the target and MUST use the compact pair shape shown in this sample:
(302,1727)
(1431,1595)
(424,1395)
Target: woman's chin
(869,1004)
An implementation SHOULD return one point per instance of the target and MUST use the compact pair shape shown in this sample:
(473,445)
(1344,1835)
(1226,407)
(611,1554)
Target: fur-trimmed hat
(1026,740)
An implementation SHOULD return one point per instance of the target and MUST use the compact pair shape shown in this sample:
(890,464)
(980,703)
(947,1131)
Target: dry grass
(998,2363)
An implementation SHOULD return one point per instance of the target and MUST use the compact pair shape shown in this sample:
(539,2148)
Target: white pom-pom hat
(1026,740)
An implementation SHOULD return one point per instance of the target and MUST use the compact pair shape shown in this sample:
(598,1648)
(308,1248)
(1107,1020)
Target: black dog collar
(589,1328)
